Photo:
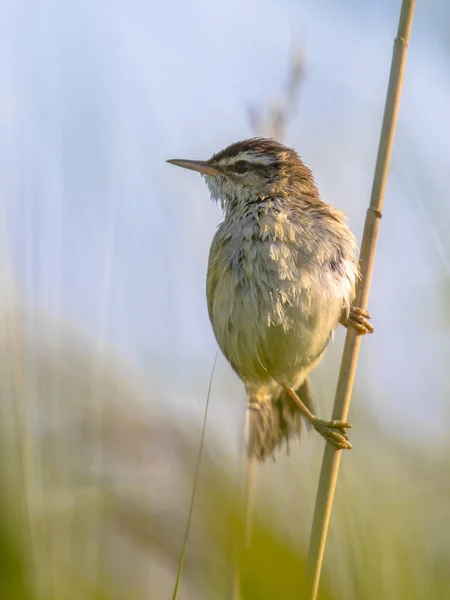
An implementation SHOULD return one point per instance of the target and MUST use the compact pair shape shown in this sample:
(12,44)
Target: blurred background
(105,342)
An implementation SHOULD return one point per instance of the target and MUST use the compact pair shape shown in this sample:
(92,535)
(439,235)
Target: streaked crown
(252,169)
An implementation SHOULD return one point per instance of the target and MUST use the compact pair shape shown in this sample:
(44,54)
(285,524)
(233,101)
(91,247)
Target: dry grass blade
(330,464)
(194,488)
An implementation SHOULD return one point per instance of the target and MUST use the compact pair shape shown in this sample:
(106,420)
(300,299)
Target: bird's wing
(214,261)
(212,274)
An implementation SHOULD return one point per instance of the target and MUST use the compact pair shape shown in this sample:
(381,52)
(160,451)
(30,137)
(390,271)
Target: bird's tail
(269,424)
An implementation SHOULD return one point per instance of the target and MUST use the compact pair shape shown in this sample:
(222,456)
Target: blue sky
(105,235)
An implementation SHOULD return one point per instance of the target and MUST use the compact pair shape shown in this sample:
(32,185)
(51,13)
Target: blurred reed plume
(273,120)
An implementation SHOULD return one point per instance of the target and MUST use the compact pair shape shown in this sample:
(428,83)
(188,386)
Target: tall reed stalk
(331,459)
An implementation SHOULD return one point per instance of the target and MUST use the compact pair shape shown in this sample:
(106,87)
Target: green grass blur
(95,493)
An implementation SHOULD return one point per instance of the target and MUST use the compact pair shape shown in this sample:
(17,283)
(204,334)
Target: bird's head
(254,170)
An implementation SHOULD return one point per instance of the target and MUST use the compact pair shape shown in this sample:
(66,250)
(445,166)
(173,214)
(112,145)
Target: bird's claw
(357,319)
(334,432)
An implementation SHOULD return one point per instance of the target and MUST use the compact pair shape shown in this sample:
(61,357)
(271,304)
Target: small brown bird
(281,276)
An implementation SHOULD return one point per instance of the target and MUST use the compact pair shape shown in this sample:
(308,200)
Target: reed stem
(331,459)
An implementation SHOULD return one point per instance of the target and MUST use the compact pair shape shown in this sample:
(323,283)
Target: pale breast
(272,308)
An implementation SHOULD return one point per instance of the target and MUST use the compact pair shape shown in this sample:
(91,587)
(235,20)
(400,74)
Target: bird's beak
(202,166)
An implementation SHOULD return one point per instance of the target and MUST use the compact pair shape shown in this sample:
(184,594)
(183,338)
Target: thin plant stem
(331,459)
(249,495)
(248,468)
(194,487)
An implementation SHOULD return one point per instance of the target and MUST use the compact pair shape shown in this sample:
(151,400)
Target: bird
(282,274)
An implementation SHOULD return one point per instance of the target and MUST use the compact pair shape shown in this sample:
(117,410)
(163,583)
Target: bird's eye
(241,166)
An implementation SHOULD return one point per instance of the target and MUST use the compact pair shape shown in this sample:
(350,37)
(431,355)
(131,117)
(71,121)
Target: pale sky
(95,96)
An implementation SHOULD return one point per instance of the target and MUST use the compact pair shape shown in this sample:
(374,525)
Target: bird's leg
(357,318)
(332,431)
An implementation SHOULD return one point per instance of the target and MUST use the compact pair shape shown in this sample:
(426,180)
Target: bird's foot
(357,319)
(333,432)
